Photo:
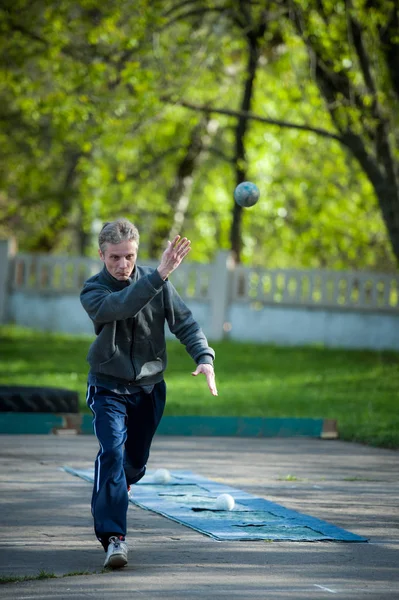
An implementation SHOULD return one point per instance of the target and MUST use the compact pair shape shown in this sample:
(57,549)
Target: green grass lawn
(357,388)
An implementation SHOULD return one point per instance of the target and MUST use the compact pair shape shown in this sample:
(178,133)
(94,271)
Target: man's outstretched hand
(175,252)
(209,373)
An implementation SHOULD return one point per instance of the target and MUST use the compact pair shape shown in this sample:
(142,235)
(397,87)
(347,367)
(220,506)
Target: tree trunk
(57,224)
(368,129)
(384,184)
(240,161)
(178,195)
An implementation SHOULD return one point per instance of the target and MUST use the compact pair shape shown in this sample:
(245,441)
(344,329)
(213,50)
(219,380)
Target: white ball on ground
(225,502)
(162,476)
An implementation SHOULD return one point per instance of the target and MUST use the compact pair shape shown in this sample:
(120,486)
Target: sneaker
(116,553)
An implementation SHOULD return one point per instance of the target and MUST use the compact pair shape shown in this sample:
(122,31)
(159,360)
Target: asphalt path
(46,525)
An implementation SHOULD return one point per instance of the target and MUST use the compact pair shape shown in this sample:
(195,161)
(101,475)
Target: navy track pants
(125,426)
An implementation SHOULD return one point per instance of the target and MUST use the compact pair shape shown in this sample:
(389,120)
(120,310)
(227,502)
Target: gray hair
(115,232)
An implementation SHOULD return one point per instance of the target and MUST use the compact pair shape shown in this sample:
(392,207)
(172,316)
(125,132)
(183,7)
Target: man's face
(120,259)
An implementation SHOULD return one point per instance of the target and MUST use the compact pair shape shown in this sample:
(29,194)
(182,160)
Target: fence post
(8,250)
(220,293)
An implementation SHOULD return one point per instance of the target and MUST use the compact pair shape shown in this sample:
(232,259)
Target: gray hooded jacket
(129,321)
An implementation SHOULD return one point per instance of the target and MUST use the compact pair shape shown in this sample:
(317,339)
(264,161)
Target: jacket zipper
(131,349)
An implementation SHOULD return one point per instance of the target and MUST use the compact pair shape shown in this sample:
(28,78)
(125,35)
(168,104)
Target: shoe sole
(116,561)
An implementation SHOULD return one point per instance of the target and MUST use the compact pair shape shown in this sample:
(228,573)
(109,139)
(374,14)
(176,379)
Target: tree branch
(149,165)
(193,13)
(390,47)
(178,6)
(220,154)
(358,43)
(248,115)
(24,31)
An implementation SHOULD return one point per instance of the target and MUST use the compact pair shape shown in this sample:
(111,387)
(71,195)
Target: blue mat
(189,499)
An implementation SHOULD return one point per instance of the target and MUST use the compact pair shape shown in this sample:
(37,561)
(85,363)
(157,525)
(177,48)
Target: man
(126,392)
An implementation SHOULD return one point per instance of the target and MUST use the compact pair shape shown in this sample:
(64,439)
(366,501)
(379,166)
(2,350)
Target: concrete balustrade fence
(282,306)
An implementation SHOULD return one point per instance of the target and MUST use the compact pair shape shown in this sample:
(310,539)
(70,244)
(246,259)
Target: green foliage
(357,388)
(91,129)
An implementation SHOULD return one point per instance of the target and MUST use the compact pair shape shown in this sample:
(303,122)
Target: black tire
(38,399)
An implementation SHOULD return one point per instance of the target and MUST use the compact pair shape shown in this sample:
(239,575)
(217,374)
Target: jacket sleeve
(183,325)
(104,306)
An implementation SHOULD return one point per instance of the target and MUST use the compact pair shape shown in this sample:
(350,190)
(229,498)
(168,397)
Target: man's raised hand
(175,252)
